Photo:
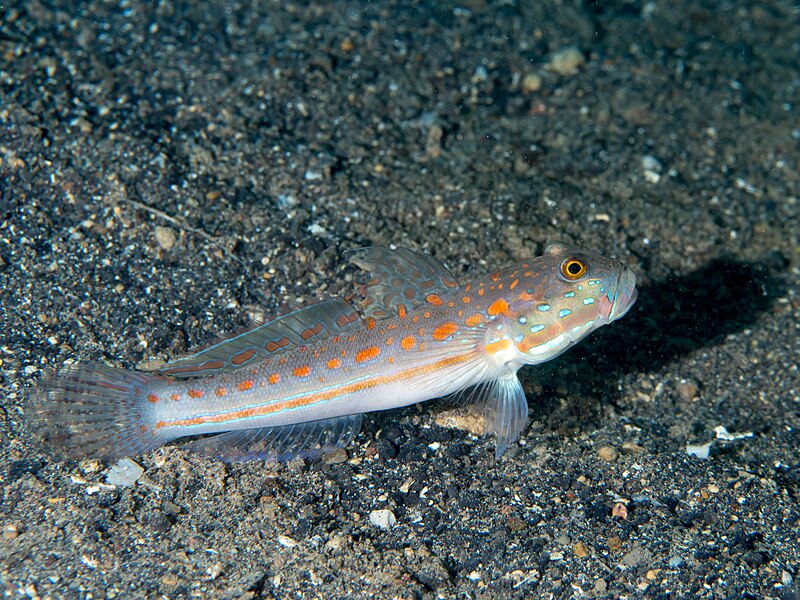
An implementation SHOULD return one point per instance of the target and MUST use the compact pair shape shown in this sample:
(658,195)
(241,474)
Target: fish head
(566,294)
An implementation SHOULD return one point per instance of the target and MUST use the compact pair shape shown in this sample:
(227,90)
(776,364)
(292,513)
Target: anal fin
(282,444)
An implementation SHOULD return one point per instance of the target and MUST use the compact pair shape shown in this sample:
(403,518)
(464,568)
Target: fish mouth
(625,297)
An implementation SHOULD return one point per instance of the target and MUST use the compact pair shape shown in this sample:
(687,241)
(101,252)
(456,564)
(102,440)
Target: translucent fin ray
(504,406)
(305,440)
(92,411)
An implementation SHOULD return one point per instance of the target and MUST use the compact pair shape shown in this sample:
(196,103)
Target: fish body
(300,384)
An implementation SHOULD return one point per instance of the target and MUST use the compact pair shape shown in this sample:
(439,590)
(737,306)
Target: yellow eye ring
(573,269)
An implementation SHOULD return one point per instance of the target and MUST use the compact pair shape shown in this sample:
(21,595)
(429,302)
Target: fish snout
(626,295)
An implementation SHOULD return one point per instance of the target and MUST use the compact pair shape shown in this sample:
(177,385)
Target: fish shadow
(672,317)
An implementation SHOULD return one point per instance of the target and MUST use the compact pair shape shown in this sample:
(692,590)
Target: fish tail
(93,411)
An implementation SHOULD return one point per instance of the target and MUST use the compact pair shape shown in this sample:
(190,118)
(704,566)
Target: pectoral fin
(504,405)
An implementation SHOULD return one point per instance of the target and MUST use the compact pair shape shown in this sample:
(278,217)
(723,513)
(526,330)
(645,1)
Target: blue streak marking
(564,312)
(536,328)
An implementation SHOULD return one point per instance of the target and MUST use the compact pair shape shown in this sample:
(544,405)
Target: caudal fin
(92,411)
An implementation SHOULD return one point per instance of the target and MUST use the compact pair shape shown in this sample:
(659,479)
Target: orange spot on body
(444,331)
(389,341)
(408,343)
(473,320)
(498,307)
(152,398)
(367,354)
(401,311)
(494,276)
(514,284)
(481,291)
(274,378)
(175,397)
(221,391)
(334,363)
(466,299)
(195,393)
(370,322)
(303,371)
(245,385)
(433,300)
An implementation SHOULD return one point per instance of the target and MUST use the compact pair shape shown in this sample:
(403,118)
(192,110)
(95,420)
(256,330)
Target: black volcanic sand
(173,169)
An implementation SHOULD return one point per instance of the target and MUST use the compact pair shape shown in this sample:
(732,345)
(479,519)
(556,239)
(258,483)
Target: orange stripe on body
(347,388)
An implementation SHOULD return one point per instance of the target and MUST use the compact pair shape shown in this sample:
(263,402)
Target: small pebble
(608,454)
(675,562)
(629,448)
(10,532)
(336,457)
(581,550)
(566,61)
(614,543)
(166,237)
(637,557)
(382,519)
(651,169)
(124,473)
(687,389)
(700,451)
(532,82)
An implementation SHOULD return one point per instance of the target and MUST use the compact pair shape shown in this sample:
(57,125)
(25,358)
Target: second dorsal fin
(297,328)
(401,280)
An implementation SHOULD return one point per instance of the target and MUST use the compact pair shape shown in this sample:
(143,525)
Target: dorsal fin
(297,328)
(401,280)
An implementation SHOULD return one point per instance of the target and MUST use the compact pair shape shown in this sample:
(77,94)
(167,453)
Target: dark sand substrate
(170,170)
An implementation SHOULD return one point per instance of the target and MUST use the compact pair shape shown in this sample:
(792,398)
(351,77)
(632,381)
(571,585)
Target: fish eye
(573,269)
